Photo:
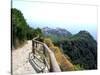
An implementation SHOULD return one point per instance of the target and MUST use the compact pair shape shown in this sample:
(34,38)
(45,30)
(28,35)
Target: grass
(63,62)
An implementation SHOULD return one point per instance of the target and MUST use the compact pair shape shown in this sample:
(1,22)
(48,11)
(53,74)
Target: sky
(69,16)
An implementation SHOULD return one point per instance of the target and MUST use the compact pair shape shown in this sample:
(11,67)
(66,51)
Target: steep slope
(82,49)
(63,62)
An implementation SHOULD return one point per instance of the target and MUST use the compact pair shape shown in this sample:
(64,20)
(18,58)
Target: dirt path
(20,63)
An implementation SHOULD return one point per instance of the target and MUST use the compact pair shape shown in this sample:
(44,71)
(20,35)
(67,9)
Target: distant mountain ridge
(56,31)
(55,34)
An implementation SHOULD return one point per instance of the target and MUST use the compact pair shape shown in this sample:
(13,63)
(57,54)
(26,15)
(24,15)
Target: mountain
(56,31)
(56,34)
(82,49)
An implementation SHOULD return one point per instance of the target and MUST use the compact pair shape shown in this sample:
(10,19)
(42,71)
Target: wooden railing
(47,55)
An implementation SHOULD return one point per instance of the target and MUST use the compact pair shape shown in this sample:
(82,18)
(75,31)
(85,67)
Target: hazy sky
(71,17)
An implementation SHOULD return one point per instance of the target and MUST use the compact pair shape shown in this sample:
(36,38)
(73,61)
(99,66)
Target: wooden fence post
(33,48)
(44,51)
(36,44)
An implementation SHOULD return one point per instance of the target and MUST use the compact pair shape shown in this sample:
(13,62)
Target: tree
(21,31)
(19,27)
(82,49)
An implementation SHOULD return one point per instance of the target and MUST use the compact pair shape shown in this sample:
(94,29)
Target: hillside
(63,61)
(82,49)
(72,52)
(21,31)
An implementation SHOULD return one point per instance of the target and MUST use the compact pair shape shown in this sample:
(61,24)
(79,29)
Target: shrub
(48,42)
(63,62)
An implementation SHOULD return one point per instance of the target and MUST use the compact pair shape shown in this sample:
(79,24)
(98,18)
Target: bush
(48,42)
(78,67)
(63,62)
(21,31)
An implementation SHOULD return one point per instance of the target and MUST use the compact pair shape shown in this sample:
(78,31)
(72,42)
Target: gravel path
(20,63)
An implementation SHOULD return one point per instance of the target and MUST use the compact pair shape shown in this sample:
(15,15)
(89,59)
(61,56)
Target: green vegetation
(55,39)
(64,63)
(82,49)
(78,67)
(79,49)
(21,31)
